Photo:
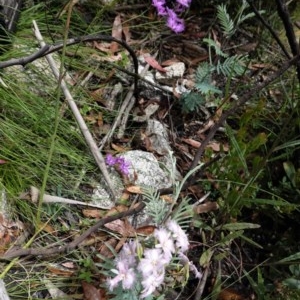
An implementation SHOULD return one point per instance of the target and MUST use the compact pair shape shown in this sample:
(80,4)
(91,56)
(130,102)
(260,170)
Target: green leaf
(292,283)
(238,226)
(203,73)
(226,22)
(290,172)
(230,237)
(291,258)
(206,88)
(191,101)
(295,270)
(211,43)
(206,258)
(251,242)
(232,66)
(288,145)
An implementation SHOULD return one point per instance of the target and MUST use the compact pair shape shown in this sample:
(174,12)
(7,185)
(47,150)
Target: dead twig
(48,49)
(34,194)
(123,113)
(73,245)
(289,30)
(79,119)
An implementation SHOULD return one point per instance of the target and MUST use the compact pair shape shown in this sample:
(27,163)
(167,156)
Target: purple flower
(185,3)
(124,274)
(160,7)
(110,160)
(123,165)
(174,22)
(119,163)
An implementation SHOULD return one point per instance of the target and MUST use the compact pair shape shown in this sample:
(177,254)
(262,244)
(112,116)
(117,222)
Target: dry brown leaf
(207,126)
(127,33)
(170,62)
(213,145)
(230,294)
(167,198)
(60,270)
(116,33)
(217,146)
(119,149)
(206,207)
(154,63)
(121,227)
(134,189)
(68,265)
(47,228)
(92,213)
(192,142)
(116,209)
(145,230)
(90,292)
(105,251)
(125,195)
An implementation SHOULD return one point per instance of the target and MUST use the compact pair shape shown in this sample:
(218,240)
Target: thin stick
(81,123)
(71,246)
(128,102)
(34,194)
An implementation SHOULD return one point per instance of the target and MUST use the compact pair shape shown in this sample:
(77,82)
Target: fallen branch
(48,49)
(34,194)
(79,119)
(73,245)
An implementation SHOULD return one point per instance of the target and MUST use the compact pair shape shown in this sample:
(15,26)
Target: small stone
(173,73)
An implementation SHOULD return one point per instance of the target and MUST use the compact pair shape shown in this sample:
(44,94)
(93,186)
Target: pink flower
(124,274)
(165,242)
(153,262)
(181,239)
(152,282)
(128,253)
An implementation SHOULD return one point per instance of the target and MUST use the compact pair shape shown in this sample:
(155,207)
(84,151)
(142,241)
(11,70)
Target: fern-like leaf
(211,43)
(207,88)
(232,66)
(204,71)
(225,20)
(155,206)
(191,101)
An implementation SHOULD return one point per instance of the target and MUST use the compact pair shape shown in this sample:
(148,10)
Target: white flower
(182,241)
(152,282)
(128,253)
(153,262)
(124,274)
(165,242)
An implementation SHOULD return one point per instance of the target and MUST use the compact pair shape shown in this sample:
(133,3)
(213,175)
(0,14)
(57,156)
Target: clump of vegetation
(230,224)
